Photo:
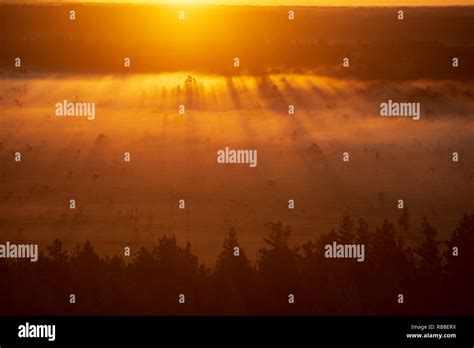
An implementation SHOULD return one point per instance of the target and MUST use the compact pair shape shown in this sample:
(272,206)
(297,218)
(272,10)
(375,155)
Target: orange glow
(280,2)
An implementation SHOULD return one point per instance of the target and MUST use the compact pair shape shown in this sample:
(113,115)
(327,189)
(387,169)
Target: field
(174,156)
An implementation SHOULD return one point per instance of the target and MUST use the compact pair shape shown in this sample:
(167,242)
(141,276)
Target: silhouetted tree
(362,233)
(428,250)
(333,280)
(278,269)
(234,277)
(86,271)
(56,252)
(404,220)
(345,232)
(460,271)
(428,273)
(178,272)
(387,272)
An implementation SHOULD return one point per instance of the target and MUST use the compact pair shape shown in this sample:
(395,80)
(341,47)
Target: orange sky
(283,2)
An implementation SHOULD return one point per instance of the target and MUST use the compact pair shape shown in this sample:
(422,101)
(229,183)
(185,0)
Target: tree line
(433,277)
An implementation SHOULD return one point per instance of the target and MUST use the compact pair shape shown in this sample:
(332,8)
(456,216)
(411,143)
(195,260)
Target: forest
(435,276)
